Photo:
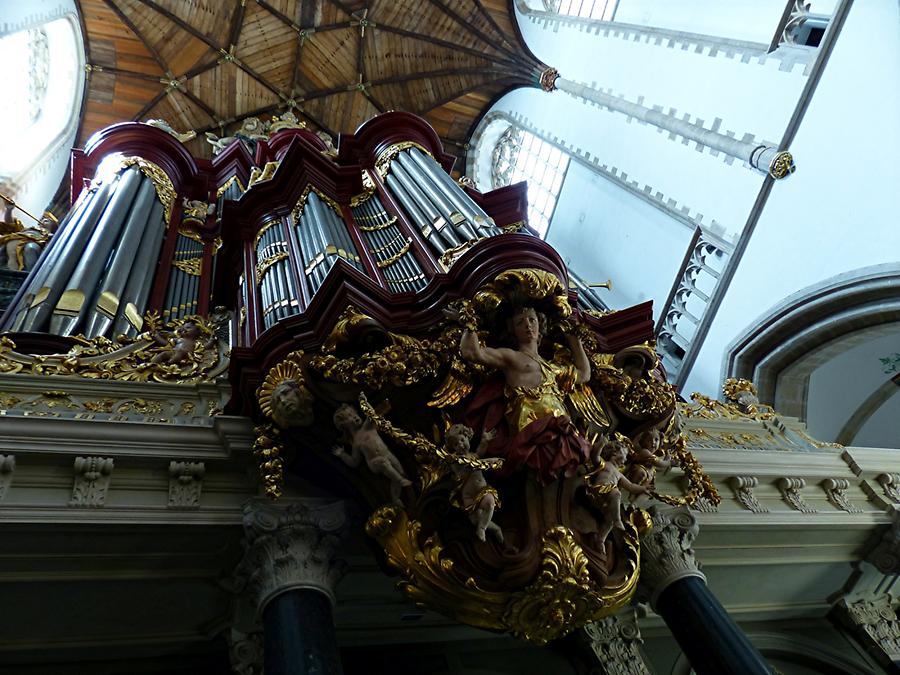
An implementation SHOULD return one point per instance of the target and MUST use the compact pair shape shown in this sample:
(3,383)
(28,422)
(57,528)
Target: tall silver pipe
(55,272)
(88,203)
(321,231)
(310,220)
(113,283)
(473,213)
(134,299)
(307,254)
(438,222)
(437,197)
(81,287)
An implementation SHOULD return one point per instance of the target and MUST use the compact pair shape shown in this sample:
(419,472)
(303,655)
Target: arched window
(587,9)
(520,155)
(41,95)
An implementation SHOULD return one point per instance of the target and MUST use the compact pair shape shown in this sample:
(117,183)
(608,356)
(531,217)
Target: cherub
(365,442)
(604,483)
(185,340)
(648,456)
(472,493)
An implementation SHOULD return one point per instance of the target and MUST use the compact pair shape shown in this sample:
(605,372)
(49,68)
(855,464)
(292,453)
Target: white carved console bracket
(836,490)
(890,483)
(790,492)
(92,476)
(7,467)
(185,484)
(743,491)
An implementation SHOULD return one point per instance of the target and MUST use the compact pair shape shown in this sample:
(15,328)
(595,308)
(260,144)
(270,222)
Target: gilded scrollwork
(183,351)
(553,562)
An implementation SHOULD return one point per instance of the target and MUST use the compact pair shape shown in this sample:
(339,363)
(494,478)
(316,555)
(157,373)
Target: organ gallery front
(408,352)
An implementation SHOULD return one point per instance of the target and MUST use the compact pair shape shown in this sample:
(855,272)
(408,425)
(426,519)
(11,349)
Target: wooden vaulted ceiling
(204,65)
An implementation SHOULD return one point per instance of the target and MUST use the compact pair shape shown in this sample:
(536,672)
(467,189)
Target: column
(771,160)
(288,575)
(677,590)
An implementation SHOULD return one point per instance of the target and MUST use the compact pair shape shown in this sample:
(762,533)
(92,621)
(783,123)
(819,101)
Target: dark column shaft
(299,635)
(709,637)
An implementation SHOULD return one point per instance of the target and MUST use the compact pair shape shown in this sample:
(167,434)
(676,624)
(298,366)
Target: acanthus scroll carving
(185,484)
(790,492)
(890,483)
(836,489)
(615,641)
(743,491)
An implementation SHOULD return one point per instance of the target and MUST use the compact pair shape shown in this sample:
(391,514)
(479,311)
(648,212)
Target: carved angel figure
(473,494)
(647,456)
(606,481)
(180,345)
(366,443)
(540,434)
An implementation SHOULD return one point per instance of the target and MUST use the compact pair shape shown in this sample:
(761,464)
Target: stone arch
(780,350)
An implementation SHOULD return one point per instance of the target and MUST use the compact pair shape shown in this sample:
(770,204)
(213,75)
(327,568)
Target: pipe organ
(169,233)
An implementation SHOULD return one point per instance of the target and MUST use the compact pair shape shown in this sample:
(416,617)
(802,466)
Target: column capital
(615,642)
(291,547)
(667,553)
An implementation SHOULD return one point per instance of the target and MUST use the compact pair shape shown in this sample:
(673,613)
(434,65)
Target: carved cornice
(289,548)
(667,553)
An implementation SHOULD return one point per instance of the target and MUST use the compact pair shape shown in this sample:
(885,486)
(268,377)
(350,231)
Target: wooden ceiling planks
(204,64)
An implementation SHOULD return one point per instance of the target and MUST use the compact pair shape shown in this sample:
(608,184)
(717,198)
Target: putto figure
(540,436)
(473,494)
(365,443)
(605,482)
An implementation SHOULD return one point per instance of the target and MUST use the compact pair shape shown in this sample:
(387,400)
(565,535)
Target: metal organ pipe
(434,192)
(79,221)
(113,285)
(474,213)
(137,290)
(72,306)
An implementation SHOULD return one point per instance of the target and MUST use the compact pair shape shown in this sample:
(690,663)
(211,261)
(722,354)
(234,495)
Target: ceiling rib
(137,33)
(442,43)
(462,22)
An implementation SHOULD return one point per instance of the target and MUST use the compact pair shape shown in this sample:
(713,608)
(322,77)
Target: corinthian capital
(667,553)
(291,547)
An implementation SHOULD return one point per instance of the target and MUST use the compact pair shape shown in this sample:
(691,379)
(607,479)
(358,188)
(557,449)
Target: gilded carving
(165,189)
(481,520)
(183,351)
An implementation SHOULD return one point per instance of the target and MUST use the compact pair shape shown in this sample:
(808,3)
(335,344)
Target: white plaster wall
(35,186)
(753,20)
(737,94)
(16,16)
(855,373)
(603,233)
(881,429)
(839,211)
(753,97)
(706,186)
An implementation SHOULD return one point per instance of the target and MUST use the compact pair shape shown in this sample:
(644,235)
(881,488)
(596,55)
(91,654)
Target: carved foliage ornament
(183,351)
